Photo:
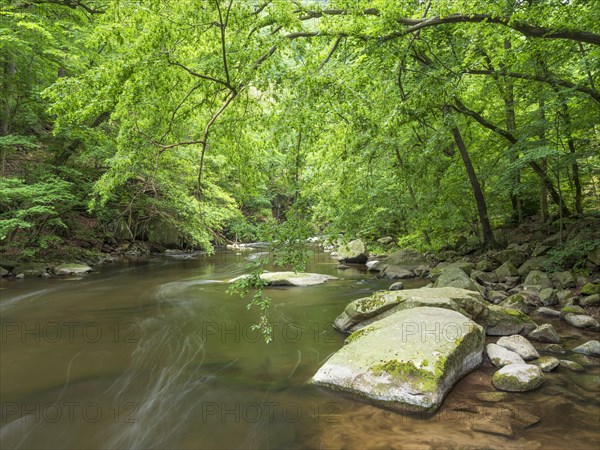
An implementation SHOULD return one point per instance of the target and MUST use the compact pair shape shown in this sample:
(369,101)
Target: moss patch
(358,333)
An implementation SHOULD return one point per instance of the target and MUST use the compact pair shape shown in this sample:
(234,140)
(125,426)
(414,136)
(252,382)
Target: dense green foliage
(193,122)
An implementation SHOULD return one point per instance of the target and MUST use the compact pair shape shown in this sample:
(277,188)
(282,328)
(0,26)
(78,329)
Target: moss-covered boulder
(363,311)
(353,252)
(516,301)
(501,321)
(518,378)
(545,333)
(538,278)
(515,257)
(291,278)
(547,363)
(408,361)
(590,300)
(506,270)
(591,289)
(72,269)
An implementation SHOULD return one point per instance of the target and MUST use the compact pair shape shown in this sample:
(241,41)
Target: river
(153,353)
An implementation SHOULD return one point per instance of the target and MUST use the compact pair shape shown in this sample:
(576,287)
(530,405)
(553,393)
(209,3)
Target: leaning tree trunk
(488,234)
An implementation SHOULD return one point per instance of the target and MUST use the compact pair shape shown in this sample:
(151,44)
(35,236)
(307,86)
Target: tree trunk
(488,234)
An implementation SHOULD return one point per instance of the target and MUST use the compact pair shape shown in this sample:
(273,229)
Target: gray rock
(571,365)
(594,256)
(547,363)
(590,300)
(353,252)
(291,278)
(516,301)
(540,249)
(501,321)
(396,273)
(373,266)
(548,297)
(537,263)
(387,240)
(563,279)
(548,312)
(562,295)
(518,378)
(483,277)
(397,286)
(407,258)
(585,360)
(496,296)
(545,333)
(397,363)
(590,348)
(422,270)
(500,356)
(486,265)
(581,321)
(3,272)
(342,267)
(555,349)
(30,269)
(572,309)
(538,278)
(520,345)
(506,270)
(515,257)
(455,277)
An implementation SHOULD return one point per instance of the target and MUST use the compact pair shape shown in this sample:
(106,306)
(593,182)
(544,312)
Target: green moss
(357,334)
(371,303)
(591,289)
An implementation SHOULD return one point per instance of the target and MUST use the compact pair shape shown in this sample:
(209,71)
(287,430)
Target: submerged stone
(547,363)
(408,361)
(545,333)
(590,348)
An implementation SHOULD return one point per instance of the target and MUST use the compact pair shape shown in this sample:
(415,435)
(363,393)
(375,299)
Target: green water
(154,354)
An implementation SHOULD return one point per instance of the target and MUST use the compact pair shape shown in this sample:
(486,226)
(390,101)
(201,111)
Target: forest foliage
(195,122)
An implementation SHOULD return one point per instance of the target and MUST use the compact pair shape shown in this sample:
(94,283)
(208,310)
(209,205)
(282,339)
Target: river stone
(572,309)
(594,256)
(548,297)
(455,277)
(516,301)
(518,378)
(545,333)
(397,286)
(353,252)
(399,363)
(291,278)
(466,266)
(387,240)
(548,312)
(406,257)
(373,266)
(585,360)
(520,345)
(547,363)
(538,278)
(30,269)
(591,289)
(502,321)
(590,300)
(581,321)
(563,280)
(72,269)
(588,382)
(396,273)
(3,272)
(496,296)
(556,349)
(536,263)
(484,277)
(500,356)
(506,270)
(571,365)
(590,348)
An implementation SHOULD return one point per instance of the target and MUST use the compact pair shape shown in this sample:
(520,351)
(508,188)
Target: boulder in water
(291,278)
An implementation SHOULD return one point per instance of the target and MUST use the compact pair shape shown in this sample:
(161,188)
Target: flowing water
(154,353)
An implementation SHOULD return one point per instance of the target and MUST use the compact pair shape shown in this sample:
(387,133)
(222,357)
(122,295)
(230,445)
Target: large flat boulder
(291,278)
(363,311)
(408,361)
